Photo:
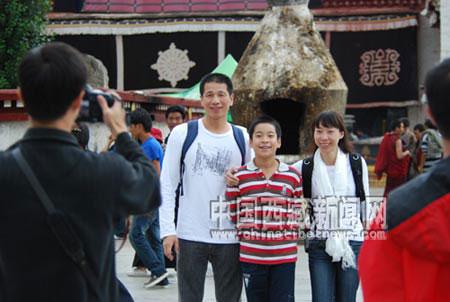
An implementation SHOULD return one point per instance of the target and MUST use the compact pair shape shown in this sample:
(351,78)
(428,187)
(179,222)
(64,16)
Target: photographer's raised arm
(138,189)
(113,117)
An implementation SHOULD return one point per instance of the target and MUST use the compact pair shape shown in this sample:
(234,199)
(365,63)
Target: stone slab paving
(140,294)
(135,284)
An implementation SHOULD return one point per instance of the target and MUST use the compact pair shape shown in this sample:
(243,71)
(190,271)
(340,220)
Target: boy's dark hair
(396,124)
(419,127)
(50,78)
(437,90)
(143,117)
(264,119)
(405,121)
(331,119)
(81,133)
(176,108)
(216,78)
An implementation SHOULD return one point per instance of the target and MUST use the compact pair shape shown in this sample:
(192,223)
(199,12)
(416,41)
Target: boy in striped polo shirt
(264,207)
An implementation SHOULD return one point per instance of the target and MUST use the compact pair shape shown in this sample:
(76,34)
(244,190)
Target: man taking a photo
(86,189)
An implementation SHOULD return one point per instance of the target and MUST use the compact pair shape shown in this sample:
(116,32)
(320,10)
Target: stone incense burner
(288,73)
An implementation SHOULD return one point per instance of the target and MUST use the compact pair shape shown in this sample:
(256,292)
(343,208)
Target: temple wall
(428,54)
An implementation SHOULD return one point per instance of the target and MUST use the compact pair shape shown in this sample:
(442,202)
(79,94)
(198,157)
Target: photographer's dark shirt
(90,188)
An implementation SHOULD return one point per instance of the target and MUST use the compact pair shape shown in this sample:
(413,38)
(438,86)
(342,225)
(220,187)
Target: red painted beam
(18,113)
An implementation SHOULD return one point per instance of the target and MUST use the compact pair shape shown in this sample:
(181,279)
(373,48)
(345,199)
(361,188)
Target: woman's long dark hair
(331,119)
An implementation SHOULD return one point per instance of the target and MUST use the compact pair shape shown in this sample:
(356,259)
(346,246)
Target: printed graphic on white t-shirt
(211,160)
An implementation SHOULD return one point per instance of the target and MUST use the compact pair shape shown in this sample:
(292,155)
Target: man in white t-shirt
(204,231)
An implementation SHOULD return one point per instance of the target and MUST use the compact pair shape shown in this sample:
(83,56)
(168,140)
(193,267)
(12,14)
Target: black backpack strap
(356,166)
(61,228)
(192,132)
(307,169)
(240,140)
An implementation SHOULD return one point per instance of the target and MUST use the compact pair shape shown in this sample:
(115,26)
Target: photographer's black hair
(216,78)
(264,119)
(437,90)
(143,117)
(176,108)
(50,78)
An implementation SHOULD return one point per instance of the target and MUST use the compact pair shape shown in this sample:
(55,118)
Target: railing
(12,108)
(368,7)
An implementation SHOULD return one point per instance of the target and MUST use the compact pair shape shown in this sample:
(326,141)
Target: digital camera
(90,109)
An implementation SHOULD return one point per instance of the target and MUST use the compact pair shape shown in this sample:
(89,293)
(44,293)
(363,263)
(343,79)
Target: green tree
(22,25)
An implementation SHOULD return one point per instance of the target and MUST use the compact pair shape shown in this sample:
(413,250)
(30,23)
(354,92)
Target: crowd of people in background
(404,154)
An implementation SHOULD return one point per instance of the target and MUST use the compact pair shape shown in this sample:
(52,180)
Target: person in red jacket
(412,260)
(392,159)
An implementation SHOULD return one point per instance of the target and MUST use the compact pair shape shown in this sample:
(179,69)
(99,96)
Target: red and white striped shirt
(264,211)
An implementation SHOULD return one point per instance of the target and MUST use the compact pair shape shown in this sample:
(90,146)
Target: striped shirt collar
(282,167)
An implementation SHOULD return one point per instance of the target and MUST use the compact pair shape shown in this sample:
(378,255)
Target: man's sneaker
(163,283)
(138,272)
(157,280)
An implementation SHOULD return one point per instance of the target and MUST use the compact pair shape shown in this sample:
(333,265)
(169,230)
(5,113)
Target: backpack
(192,132)
(307,169)
(356,167)
(434,143)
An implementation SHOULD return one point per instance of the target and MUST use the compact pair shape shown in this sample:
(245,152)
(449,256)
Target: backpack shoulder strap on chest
(192,132)
(356,166)
(307,169)
(240,140)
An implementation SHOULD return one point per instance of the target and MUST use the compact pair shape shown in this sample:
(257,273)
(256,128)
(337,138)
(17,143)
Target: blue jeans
(192,262)
(329,282)
(120,226)
(150,249)
(269,283)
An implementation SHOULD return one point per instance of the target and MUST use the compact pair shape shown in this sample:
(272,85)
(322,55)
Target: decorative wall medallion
(173,65)
(379,67)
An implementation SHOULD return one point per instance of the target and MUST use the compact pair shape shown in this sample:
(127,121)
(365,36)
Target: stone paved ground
(140,294)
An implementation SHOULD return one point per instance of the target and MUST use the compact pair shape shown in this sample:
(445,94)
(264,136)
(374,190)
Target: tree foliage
(22,26)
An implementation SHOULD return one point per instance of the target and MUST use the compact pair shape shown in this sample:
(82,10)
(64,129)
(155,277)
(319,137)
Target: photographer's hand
(113,117)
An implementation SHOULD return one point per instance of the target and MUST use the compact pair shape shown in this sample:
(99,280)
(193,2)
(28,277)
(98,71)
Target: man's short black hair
(429,124)
(216,78)
(437,90)
(176,108)
(419,127)
(50,78)
(143,117)
(264,119)
(405,121)
(396,124)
